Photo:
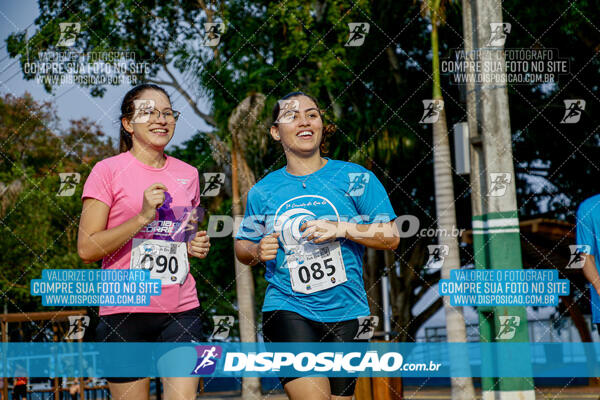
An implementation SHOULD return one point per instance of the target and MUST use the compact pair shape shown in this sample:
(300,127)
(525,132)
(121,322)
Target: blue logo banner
(301,359)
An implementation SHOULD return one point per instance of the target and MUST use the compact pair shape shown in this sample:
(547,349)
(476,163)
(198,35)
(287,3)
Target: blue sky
(72,101)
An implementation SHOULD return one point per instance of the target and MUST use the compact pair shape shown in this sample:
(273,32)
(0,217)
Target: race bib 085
(316,267)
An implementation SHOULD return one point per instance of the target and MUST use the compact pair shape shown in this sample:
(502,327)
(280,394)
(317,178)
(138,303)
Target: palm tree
(242,124)
(462,388)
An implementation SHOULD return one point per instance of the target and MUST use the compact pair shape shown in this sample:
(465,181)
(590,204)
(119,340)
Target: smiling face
(299,126)
(146,130)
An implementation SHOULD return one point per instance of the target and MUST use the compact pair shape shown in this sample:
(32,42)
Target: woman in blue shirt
(309,223)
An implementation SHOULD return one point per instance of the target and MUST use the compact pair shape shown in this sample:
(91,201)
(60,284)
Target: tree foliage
(39,228)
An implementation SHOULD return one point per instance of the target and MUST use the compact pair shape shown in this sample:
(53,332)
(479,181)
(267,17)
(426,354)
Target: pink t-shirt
(119,182)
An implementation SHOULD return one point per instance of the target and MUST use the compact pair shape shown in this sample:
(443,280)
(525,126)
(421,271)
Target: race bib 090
(165,260)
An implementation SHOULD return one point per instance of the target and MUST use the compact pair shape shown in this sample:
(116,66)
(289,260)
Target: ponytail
(125,141)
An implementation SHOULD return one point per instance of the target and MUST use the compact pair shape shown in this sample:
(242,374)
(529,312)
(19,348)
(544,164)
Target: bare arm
(251,253)
(94,241)
(379,236)
(246,251)
(591,272)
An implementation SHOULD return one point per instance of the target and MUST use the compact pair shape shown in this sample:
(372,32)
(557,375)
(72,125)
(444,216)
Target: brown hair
(128,109)
(328,129)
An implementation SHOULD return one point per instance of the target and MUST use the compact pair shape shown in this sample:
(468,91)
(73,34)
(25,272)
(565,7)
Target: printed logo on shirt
(207,359)
(312,267)
(167,222)
(165,228)
(183,181)
(292,214)
(173,223)
(358,183)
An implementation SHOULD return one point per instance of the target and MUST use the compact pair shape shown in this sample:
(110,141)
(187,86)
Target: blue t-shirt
(340,191)
(588,230)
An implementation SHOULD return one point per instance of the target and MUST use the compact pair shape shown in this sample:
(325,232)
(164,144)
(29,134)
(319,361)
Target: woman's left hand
(199,245)
(321,230)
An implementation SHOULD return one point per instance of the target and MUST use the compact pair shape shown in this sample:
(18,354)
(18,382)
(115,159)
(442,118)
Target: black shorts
(288,326)
(185,326)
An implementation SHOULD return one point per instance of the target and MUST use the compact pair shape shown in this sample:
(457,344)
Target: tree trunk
(242,122)
(244,284)
(403,288)
(462,387)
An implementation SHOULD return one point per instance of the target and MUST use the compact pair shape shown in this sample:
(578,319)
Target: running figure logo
(77,327)
(142,110)
(207,359)
(432,109)
(287,111)
(358,183)
(366,327)
(223,324)
(498,183)
(214,30)
(498,34)
(68,183)
(573,110)
(68,33)
(358,33)
(212,183)
(508,326)
(578,254)
(437,254)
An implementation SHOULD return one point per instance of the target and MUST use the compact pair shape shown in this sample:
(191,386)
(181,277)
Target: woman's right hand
(267,247)
(154,197)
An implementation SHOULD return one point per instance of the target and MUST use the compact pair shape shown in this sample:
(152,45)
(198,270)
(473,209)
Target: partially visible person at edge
(20,385)
(310,222)
(588,231)
(135,206)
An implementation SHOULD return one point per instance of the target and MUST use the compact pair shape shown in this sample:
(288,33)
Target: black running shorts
(185,326)
(288,326)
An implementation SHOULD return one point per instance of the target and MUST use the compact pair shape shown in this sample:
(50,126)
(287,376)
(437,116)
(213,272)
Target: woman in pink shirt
(135,208)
